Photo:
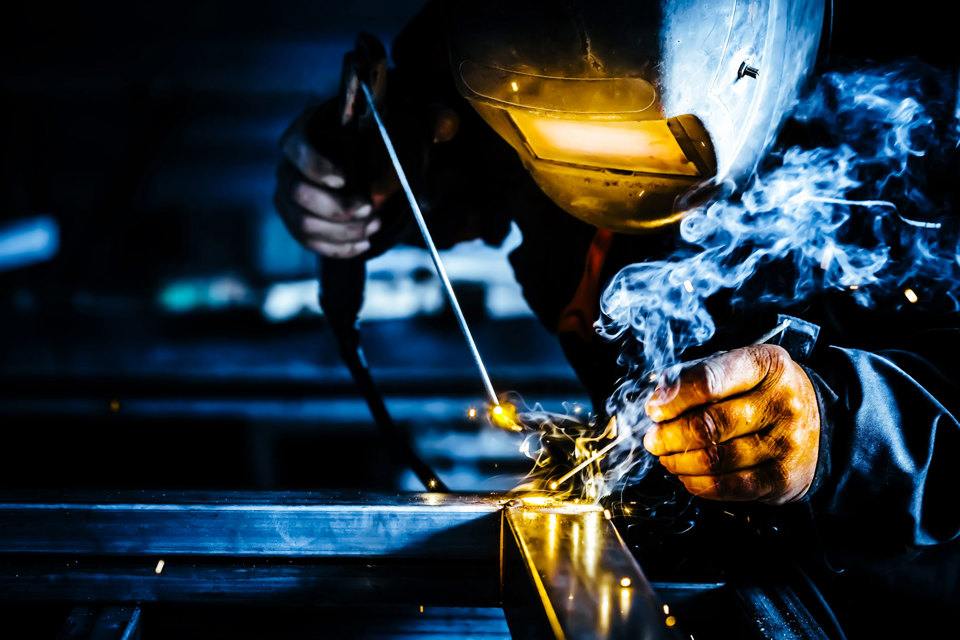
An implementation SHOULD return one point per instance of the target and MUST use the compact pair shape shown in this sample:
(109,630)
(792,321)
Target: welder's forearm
(894,438)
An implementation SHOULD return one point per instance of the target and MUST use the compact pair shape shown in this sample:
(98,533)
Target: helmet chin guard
(621,110)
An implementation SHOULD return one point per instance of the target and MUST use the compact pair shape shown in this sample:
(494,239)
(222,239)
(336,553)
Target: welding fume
(741,228)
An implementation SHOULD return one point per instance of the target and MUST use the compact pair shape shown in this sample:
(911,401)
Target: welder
(533,113)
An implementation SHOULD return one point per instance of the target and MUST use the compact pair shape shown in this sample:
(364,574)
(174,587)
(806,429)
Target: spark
(472,412)
(514,86)
(671,621)
(421,608)
(688,285)
(607,514)
(666,609)
(432,483)
(159,567)
(854,287)
(911,296)
(625,582)
(498,410)
(553,486)
(594,457)
(653,377)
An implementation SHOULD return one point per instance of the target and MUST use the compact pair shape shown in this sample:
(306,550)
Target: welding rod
(431,247)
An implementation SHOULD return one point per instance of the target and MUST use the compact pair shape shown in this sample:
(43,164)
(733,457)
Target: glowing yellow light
(632,145)
(671,621)
(854,287)
(114,405)
(513,85)
(159,567)
(666,609)
(553,486)
(911,296)
(576,409)
(653,377)
(505,416)
(607,514)
(625,582)
(624,603)
(472,412)
(536,501)
(688,285)
(421,608)
(432,483)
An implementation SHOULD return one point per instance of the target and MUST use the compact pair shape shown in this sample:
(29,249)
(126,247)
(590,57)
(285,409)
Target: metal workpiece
(322,525)
(566,573)
(559,570)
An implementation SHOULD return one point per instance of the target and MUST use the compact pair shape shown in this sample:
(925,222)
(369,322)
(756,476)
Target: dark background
(159,326)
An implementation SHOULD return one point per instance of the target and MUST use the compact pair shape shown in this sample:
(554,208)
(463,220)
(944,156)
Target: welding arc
(341,296)
(432,248)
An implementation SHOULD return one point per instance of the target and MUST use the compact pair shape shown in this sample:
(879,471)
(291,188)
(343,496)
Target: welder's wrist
(826,398)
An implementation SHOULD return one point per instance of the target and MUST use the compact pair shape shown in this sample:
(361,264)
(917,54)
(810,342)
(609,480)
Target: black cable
(341,296)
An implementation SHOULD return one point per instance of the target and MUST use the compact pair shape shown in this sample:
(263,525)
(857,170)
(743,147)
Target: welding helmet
(626,112)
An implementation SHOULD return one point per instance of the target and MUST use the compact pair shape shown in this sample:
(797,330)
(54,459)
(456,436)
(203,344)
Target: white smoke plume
(857,205)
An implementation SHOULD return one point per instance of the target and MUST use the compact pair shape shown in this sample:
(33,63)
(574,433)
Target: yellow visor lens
(645,146)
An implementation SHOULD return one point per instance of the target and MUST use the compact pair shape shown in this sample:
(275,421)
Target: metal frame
(558,570)
(555,569)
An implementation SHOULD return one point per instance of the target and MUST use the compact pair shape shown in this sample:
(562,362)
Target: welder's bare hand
(328,196)
(312,200)
(740,425)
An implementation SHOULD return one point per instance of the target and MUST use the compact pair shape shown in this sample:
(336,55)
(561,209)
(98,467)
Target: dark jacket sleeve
(888,476)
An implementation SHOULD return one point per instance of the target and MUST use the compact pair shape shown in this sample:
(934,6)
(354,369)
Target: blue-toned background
(160,328)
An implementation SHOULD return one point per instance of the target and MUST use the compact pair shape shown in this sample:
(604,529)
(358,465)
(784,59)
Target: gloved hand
(740,425)
(336,176)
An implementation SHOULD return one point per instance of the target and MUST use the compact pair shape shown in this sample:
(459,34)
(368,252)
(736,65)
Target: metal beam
(559,571)
(567,574)
(327,525)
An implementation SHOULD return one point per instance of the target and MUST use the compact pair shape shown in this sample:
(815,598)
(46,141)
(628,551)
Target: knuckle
(712,458)
(706,426)
(301,195)
(717,486)
(772,359)
(711,379)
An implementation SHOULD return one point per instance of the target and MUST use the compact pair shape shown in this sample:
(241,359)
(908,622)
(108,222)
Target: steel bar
(269,524)
(567,574)
(201,580)
(432,248)
(559,571)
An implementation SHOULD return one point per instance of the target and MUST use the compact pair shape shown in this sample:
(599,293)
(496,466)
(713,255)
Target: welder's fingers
(709,425)
(325,205)
(739,453)
(339,232)
(333,250)
(758,483)
(311,165)
(322,221)
(759,445)
(724,375)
